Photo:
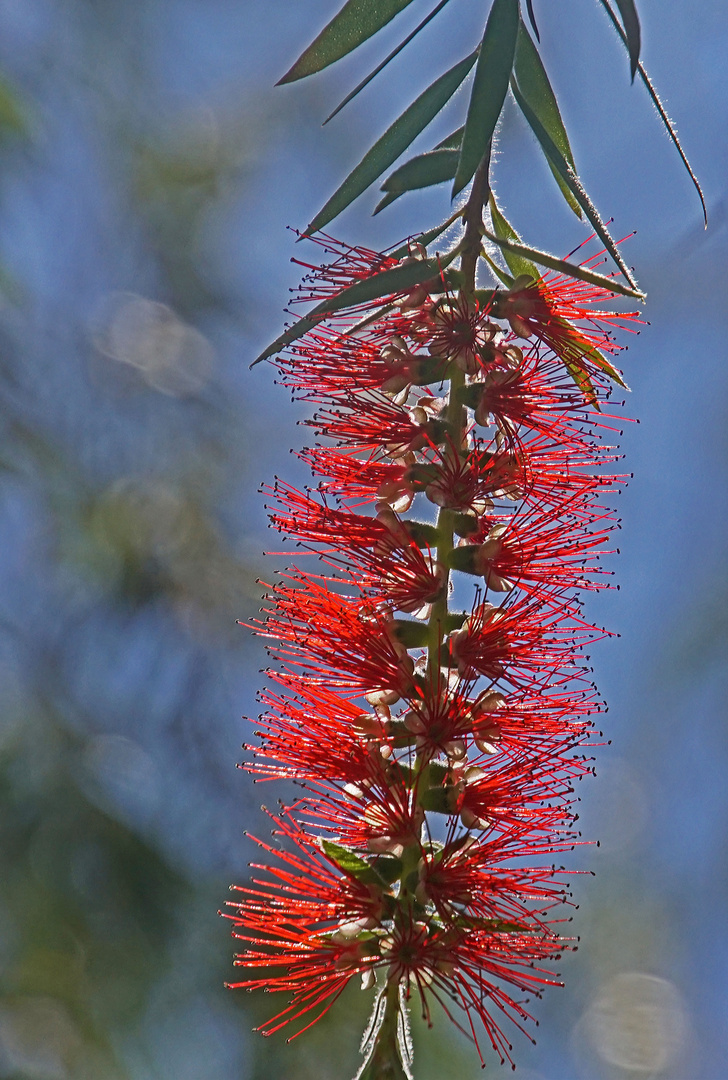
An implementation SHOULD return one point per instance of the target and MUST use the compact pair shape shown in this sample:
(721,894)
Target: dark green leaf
(394,141)
(562,267)
(357,21)
(351,863)
(425,238)
(503,277)
(490,87)
(452,142)
(532,19)
(590,352)
(387,283)
(661,112)
(373,74)
(419,172)
(574,184)
(533,82)
(516,263)
(631,22)
(423,171)
(388,867)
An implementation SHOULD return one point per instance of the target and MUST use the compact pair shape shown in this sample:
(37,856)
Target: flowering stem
(366,888)
(455,414)
(473,220)
(385,1064)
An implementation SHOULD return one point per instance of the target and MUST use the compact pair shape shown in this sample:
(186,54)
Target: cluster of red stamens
(436,748)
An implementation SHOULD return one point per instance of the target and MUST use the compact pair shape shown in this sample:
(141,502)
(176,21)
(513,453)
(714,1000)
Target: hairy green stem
(385,1063)
(472,217)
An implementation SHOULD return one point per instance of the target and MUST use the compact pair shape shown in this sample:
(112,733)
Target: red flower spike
(435,755)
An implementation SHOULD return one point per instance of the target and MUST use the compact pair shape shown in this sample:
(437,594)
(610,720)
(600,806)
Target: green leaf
(452,141)
(357,21)
(661,112)
(394,141)
(631,22)
(517,264)
(574,185)
(562,267)
(590,352)
(503,277)
(351,863)
(373,74)
(389,867)
(425,238)
(533,82)
(582,380)
(532,19)
(388,282)
(422,171)
(490,87)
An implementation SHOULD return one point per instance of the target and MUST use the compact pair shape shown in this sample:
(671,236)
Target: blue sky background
(149,167)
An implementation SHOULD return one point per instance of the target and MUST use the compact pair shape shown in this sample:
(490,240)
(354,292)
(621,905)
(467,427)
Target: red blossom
(435,750)
(561,312)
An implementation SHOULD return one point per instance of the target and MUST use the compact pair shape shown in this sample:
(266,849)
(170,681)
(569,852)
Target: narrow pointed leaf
(388,282)
(669,127)
(425,238)
(597,358)
(380,67)
(533,82)
(562,267)
(394,141)
(490,87)
(374,316)
(532,19)
(452,141)
(516,263)
(503,277)
(582,380)
(351,863)
(419,172)
(423,171)
(631,21)
(357,21)
(574,184)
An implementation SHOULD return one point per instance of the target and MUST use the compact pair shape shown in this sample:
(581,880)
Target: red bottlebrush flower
(461,332)
(347,640)
(510,643)
(434,750)
(535,549)
(560,312)
(309,928)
